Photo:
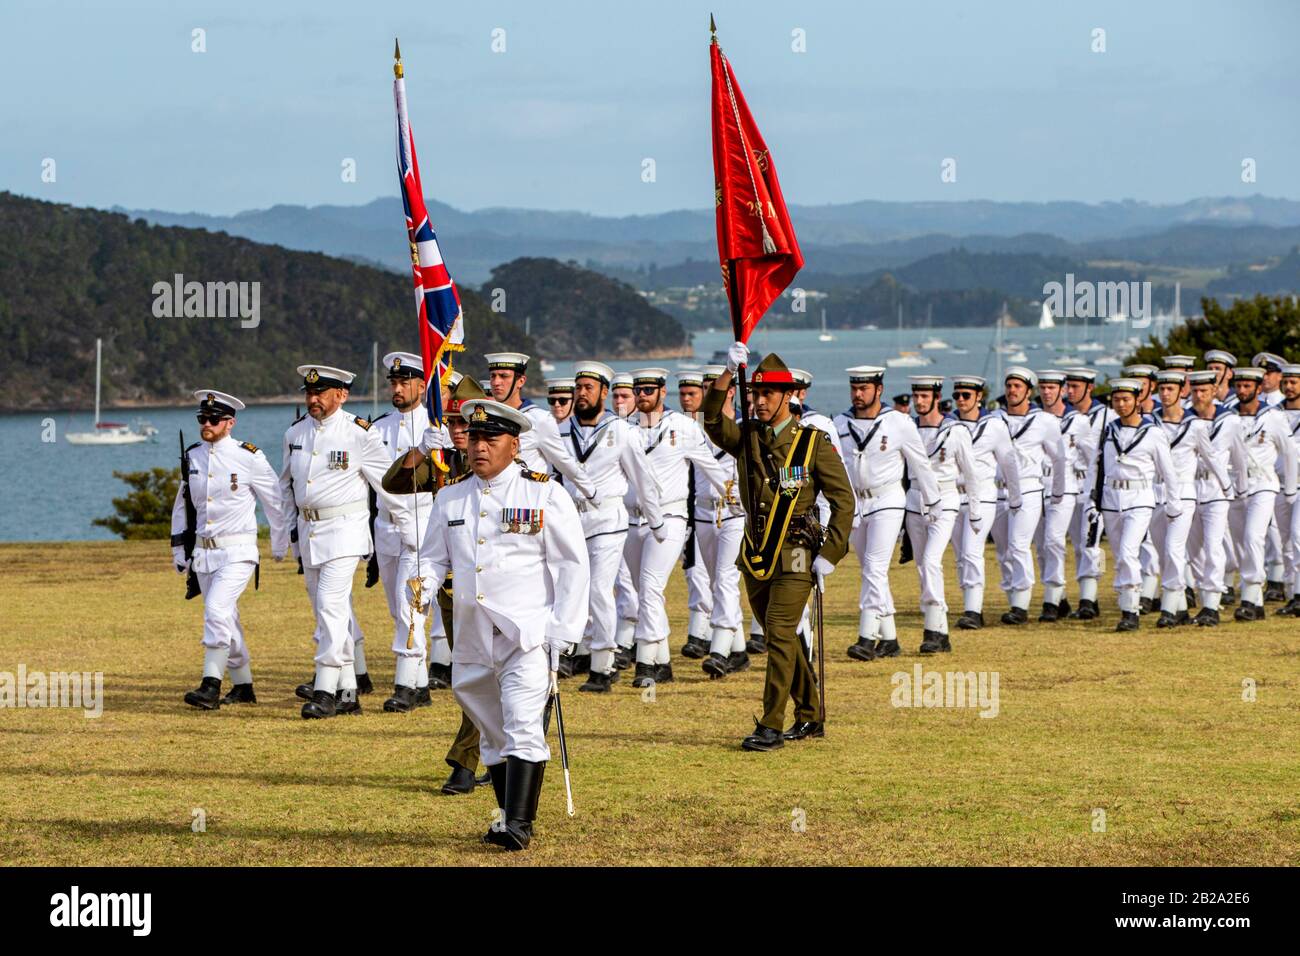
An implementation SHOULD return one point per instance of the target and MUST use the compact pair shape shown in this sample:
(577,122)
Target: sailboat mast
(99,369)
(374,380)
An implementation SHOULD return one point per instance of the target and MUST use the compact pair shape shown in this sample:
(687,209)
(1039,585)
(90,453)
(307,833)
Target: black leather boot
(439,676)
(738,661)
(364,684)
(763,739)
(460,782)
(240,694)
(716,666)
(322,704)
(598,683)
(695,648)
(1049,615)
(207,696)
(402,701)
(971,620)
(523,788)
(1128,621)
(646,674)
(863,650)
(304,690)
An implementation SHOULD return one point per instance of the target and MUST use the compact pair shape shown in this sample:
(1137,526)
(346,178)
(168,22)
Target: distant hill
(846,238)
(572,309)
(69,275)
(1283,278)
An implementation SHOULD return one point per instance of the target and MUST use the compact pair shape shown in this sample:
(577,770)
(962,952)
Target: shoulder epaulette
(452,481)
(361,423)
(535,475)
(248,446)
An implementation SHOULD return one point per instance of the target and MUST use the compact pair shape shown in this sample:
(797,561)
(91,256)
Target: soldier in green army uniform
(414,472)
(784,467)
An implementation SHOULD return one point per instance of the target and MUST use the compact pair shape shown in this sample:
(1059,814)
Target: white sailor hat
(690,377)
(1291,371)
(922,383)
(1265,359)
(1179,361)
(404,365)
(1249,374)
(621,380)
(649,376)
(1022,373)
(709,372)
(210,400)
(1141,370)
(597,370)
(494,418)
(1171,376)
(1081,375)
(319,377)
(860,374)
(1204,377)
(802,377)
(1053,376)
(1126,385)
(486,385)
(514,361)
(559,386)
(453,379)
(969,381)
(1221,356)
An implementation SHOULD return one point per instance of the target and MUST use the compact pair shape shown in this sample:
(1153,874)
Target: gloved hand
(178,559)
(434,438)
(974,519)
(557,650)
(934,512)
(277,558)
(1172,510)
(822,568)
(737,356)
(660,533)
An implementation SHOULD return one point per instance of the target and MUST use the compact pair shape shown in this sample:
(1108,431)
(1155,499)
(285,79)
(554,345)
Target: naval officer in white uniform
(225,479)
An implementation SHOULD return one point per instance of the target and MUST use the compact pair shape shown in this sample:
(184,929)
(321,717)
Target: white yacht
(109,433)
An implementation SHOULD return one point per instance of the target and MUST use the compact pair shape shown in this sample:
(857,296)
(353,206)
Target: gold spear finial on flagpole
(713,30)
(397,59)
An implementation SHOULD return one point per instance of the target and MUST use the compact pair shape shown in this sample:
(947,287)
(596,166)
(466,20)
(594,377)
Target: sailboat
(932,343)
(1045,321)
(905,359)
(108,433)
(825,336)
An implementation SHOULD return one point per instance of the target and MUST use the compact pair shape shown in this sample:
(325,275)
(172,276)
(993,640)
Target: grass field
(1150,729)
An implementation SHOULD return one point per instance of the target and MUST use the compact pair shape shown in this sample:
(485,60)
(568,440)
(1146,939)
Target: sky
(565,116)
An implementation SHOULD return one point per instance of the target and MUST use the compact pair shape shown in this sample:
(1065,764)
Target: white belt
(601,504)
(879,491)
(1128,484)
(947,486)
(639,515)
(335,511)
(227,541)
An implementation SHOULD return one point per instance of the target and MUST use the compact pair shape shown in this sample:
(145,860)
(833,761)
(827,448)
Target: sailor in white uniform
(1208,541)
(1036,438)
(1288,515)
(623,402)
(878,444)
(994,456)
(514,545)
(559,396)
(1134,453)
(1270,396)
(699,582)
(331,460)
(948,447)
(1148,558)
(1192,455)
(608,451)
(1057,516)
(216,503)
(1270,472)
(1089,560)
(671,442)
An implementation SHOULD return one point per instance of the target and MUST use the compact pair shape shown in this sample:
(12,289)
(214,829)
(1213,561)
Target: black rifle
(188,536)
(293,528)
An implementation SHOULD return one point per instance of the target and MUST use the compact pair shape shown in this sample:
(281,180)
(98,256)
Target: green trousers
(778,603)
(464,750)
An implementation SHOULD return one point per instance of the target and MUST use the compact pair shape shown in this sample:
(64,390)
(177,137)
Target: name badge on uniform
(521,520)
(338,460)
(942,455)
(672,437)
(884,442)
(234,481)
(792,479)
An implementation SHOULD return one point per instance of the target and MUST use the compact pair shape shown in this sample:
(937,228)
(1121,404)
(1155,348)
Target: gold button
(479,568)
(209,499)
(482,540)
(482,514)
(480,597)
(315,453)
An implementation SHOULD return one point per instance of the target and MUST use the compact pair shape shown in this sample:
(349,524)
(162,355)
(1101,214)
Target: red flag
(756,242)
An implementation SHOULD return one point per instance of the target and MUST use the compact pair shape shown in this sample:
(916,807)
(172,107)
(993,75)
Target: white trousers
(1169,537)
(1013,536)
(329,588)
(969,547)
(1284,524)
(625,602)
(506,701)
(928,544)
(1126,530)
(221,591)
(699,583)
(1088,562)
(718,550)
(873,541)
(650,564)
(1207,545)
(605,555)
(1049,539)
(1249,518)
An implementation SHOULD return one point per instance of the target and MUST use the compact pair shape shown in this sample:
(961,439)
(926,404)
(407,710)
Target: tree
(147,511)
(1247,327)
